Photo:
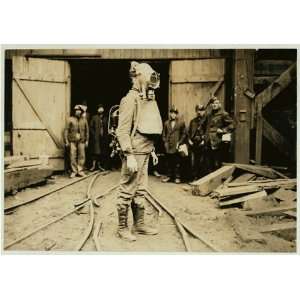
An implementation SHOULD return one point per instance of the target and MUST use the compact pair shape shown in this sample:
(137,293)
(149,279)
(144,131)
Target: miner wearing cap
(196,140)
(99,139)
(76,139)
(219,126)
(138,126)
(174,135)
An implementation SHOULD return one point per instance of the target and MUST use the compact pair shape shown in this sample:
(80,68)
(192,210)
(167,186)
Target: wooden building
(42,85)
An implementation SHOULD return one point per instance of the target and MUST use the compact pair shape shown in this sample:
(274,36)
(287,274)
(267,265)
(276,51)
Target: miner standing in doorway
(219,128)
(174,135)
(76,137)
(196,139)
(139,123)
(99,139)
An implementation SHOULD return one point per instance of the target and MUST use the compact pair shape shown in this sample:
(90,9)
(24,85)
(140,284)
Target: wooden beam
(276,138)
(207,184)
(259,132)
(239,190)
(285,195)
(216,87)
(244,178)
(290,183)
(259,170)
(18,179)
(253,196)
(291,213)
(265,97)
(279,227)
(243,80)
(271,211)
(119,53)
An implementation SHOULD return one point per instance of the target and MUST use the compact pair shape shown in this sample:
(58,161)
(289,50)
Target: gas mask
(144,77)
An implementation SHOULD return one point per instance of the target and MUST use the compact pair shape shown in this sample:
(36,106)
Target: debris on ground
(259,200)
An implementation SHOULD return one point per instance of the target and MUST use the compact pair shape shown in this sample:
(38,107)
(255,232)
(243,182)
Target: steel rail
(186,227)
(27,235)
(50,192)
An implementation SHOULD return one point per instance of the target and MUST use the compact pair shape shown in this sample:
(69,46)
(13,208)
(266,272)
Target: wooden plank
(22,178)
(8,160)
(28,163)
(291,213)
(259,170)
(253,196)
(119,53)
(271,211)
(243,80)
(277,86)
(233,191)
(243,178)
(243,227)
(287,183)
(285,195)
(207,184)
(278,227)
(276,138)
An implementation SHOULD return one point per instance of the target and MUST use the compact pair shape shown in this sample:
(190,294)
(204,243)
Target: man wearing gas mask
(139,124)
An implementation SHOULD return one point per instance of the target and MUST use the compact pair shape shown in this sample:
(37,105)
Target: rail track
(92,229)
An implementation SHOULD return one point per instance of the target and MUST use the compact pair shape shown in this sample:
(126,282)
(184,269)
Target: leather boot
(123,230)
(138,219)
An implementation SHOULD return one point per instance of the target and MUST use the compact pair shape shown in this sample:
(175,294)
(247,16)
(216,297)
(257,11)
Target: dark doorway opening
(107,82)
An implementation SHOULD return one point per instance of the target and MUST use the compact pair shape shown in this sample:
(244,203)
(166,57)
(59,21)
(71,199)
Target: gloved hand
(132,164)
(154,158)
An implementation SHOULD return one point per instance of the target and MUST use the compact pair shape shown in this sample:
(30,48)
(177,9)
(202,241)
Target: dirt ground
(200,213)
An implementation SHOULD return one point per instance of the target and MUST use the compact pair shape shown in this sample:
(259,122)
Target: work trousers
(133,185)
(77,156)
(217,156)
(198,162)
(173,165)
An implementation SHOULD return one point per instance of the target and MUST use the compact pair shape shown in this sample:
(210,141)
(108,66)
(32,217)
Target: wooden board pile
(260,191)
(23,171)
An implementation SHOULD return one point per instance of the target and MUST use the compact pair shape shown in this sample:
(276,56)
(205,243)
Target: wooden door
(41,106)
(193,81)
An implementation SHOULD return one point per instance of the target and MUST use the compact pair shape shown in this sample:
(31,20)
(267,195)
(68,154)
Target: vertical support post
(259,132)
(243,81)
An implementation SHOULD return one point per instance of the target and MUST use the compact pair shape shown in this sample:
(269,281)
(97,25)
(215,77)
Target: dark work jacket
(172,137)
(99,134)
(218,120)
(197,129)
(74,126)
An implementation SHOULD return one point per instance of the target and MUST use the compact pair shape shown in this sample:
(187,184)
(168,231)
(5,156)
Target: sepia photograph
(150,150)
